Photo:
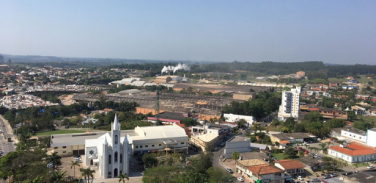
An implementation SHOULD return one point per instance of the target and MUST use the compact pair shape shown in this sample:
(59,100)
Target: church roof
(158,132)
(116,123)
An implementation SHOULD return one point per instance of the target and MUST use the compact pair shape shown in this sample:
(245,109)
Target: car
(1,152)
(370,167)
(50,165)
(326,176)
(240,133)
(240,179)
(347,173)
(315,180)
(300,177)
(334,175)
(229,170)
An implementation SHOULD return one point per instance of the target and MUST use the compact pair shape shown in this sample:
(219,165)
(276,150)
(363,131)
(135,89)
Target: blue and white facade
(290,104)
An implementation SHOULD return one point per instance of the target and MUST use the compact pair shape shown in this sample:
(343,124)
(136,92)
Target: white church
(110,153)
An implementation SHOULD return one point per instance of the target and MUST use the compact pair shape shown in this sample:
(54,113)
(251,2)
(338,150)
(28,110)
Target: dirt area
(66,167)
(67,99)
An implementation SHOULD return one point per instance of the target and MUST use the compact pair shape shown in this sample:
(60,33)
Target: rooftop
(290,164)
(171,115)
(290,136)
(310,161)
(264,169)
(252,162)
(253,155)
(239,138)
(354,130)
(354,149)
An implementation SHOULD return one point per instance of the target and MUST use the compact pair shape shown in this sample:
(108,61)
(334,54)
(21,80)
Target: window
(182,143)
(159,144)
(121,158)
(109,159)
(152,145)
(146,145)
(56,147)
(116,139)
(109,174)
(116,157)
(64,147)
(64,151)
(136,146)
(140,146)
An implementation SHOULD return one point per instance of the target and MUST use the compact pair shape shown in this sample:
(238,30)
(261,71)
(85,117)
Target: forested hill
(264,67)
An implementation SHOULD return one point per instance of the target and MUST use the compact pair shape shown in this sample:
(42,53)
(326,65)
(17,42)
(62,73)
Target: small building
(312,163)
(242,165)
(266,173)
(353,152)
(130,92)
(292,137)
(300,73)
(253,155)
(347,87)
(205,140)
(238,144)
(292,167)
(229,117)
(163,79)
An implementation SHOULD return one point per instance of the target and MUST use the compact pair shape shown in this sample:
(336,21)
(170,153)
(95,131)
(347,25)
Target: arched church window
(109,159)
(121,158)
(116,157)
(116,139)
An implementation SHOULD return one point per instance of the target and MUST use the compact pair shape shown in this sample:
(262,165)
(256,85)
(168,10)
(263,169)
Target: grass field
(279,156)
(55,132)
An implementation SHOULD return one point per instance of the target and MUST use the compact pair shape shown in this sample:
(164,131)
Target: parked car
(300,177)
(240,179)
(229,170)
(370,167)
(1,152)
(334,175)
(315,180)
(326,176)
(50,165)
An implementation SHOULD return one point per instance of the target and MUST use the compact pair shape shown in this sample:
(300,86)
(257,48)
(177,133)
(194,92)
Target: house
(234,118)
(242,165)
(313,163)
(266,173)
(292,167)
(353,152)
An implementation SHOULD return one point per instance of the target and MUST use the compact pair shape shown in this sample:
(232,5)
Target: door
(75,152)
(91,162)
(115,172)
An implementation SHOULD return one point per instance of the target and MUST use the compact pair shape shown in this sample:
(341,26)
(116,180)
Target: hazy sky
(333,31)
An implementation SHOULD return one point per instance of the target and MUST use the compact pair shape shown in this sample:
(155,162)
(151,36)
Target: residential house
(292,167)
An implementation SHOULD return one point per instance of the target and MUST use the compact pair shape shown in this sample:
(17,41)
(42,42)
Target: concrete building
(371,136)
(171,117)
(109,154)
(163,79)
(205,141)
(290,104)
(242,165)
(234,118)
(353,152)
(238,144)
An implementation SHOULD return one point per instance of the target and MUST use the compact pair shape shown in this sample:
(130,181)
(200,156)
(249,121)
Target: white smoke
(167,69)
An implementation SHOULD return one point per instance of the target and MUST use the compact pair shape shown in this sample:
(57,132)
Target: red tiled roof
(285,142)
(264,169)
(354,149)
(290,164)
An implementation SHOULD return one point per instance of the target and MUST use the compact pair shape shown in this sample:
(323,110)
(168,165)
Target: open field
(55,132)
(279,156)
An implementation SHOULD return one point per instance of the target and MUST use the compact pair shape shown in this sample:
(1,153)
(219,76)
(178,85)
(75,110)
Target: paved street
(6,146)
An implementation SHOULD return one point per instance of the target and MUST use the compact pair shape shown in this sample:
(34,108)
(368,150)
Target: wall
(239,146)
(371,136)
(68,150)
(245,97)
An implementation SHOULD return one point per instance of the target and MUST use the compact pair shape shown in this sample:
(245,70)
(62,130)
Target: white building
(354,134)
(109,153)
(353,152)
(234,118)
(371,136)
(290,104)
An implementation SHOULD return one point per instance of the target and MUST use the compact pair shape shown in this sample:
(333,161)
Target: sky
(335,31)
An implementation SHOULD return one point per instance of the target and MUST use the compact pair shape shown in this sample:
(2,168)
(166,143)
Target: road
(6,146)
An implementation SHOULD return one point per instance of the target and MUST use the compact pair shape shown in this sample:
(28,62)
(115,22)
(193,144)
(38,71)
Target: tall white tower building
(290,104)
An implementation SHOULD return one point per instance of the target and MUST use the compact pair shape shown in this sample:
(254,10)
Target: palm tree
(55,159)
(87,173)
(123,176)
(58,177)
(323,147)
(74,164)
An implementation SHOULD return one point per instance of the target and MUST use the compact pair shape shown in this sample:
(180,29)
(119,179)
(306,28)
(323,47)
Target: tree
(335,123)
(150,160)
(73,164)
(87,173)
(202,162)
(235,155)
(55,159)
(58,177)
(194,177)
(290,152)
(217,175)
(189,122)
(241,123)
(290,123)
(275,123)
(123,176)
